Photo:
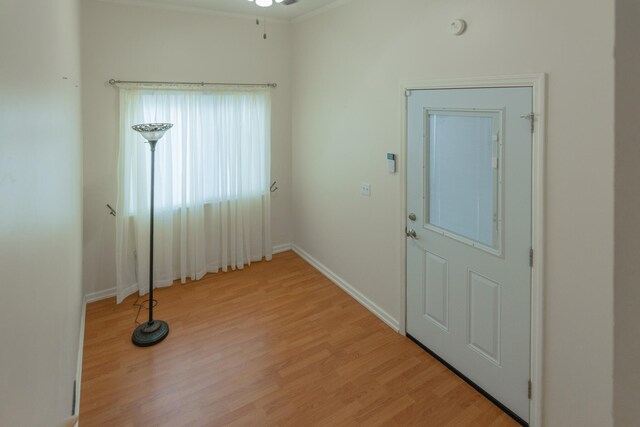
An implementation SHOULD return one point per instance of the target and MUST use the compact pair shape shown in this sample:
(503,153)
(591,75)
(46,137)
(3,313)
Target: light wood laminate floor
(274,344)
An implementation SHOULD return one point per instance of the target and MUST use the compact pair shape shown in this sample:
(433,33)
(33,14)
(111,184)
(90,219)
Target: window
(211,184)
(216,151)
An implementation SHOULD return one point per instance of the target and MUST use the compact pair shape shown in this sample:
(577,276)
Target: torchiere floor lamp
(153,331)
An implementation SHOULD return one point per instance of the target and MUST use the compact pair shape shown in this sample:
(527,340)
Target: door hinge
(532,118)
(531,257)
(529,389)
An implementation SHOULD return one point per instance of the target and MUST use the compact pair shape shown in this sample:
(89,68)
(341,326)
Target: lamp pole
(152,146)
(153,331)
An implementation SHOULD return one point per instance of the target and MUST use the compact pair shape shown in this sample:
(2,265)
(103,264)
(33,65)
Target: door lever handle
(412,233)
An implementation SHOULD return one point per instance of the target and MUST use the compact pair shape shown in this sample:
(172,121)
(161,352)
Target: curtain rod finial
(112,81)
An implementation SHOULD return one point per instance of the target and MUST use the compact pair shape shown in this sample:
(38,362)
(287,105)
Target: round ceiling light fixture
(266,3)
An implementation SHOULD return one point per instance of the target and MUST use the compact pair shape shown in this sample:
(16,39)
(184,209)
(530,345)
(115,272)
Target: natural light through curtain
(211,189)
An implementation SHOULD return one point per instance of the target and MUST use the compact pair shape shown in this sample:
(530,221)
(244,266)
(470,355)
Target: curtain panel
(212,175)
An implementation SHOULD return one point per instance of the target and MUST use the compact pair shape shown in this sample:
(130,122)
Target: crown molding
(322,10)
(193,10)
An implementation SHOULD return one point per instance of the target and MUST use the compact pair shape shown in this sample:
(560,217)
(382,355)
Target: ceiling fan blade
(288,2)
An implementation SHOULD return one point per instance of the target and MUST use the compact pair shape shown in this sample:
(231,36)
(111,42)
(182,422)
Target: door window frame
(497,116)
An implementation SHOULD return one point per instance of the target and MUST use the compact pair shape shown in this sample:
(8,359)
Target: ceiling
(243,7)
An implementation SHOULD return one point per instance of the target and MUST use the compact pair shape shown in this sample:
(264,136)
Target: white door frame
(538,83)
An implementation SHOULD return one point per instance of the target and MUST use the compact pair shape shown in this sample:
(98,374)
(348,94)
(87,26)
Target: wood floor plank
(274,344)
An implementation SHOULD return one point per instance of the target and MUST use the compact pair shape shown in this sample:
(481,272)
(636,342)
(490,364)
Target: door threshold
(479,389)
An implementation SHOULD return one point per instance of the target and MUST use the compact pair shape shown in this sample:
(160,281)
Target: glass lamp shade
(152,131)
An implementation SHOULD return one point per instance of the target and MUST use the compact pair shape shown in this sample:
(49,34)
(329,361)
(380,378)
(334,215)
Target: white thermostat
(391,162)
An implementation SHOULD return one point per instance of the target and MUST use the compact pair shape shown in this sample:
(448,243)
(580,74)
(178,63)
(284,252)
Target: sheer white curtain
(211,185)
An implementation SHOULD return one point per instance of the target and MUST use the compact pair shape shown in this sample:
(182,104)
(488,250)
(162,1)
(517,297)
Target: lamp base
(150,333)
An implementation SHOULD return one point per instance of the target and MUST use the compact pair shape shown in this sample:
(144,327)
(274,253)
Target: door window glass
(463,174)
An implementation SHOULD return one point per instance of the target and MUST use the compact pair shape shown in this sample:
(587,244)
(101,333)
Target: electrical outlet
(365,189)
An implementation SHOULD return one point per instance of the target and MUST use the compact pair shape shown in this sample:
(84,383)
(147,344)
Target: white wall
(144,43)
(627,208)
(348,64)
(41,214)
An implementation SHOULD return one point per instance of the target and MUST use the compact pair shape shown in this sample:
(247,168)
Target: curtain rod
(115,82)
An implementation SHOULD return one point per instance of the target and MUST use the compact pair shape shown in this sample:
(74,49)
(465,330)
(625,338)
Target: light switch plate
(365,189)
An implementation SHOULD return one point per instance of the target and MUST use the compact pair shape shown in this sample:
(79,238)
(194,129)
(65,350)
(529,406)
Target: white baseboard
(100,295)
(282,248)
(353,292)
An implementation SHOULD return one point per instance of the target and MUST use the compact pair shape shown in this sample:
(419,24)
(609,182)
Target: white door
(469,234)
